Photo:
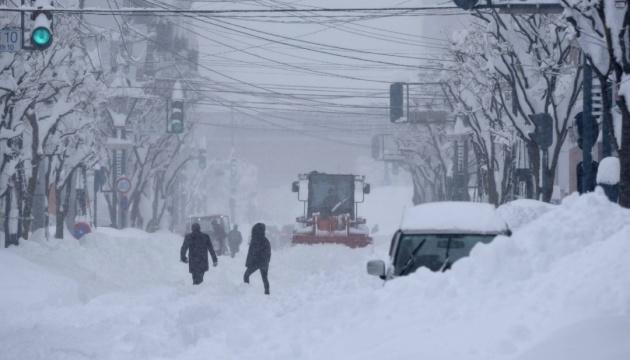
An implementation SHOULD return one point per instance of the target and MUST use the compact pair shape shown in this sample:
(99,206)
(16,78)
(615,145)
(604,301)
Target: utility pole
(94,221)
(587,119)
(233,174)
(607,121)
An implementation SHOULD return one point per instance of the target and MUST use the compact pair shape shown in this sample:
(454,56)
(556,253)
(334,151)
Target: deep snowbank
(109,260)
(561,269)
(26,285)
(523,211)
(560,279)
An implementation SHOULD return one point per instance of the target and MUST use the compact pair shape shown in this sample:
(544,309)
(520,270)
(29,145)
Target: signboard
(513,6)
(385,147)
(123,184)
(10,39)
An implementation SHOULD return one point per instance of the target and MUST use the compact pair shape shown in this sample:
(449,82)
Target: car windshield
(435,250)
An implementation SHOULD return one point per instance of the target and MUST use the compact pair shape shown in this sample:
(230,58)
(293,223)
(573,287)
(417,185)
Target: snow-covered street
(428,179)
(558,287)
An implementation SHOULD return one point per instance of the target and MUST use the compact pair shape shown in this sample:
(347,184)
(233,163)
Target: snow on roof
(453,216)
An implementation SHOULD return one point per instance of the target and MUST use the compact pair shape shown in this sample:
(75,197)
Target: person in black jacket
(234,240)
(197,245)
(258,256)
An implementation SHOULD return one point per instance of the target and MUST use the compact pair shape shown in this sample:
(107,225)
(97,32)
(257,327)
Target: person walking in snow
(258,255)
(197,245)
(234,240)
(220,236)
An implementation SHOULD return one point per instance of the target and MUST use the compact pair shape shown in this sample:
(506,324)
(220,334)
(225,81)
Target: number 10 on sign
(10,40)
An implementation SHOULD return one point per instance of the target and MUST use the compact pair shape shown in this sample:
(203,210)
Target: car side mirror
(367,188)
(376,268)
(295,187)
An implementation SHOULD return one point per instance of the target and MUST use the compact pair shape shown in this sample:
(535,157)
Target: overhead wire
(268,91)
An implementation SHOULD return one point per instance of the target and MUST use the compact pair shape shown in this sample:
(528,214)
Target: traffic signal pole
(587,138)
(607,121)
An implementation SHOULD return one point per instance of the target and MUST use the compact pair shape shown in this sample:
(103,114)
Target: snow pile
(509,297)
(458,216)
(608,172)
(26,285)
(556,289)
(523,211)
(109,260)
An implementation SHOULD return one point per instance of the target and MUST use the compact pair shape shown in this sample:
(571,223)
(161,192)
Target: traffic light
(543,132)
(396,101)
(175,121)
(202,159)
(175,116)
(41,33)
(587,129)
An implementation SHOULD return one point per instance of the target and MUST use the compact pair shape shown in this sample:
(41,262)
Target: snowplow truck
(331,210)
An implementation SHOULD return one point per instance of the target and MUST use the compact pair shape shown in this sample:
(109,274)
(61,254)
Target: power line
(286,42)
(177,11)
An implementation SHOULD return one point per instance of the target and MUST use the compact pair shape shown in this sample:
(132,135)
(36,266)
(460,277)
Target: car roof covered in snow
(454,217)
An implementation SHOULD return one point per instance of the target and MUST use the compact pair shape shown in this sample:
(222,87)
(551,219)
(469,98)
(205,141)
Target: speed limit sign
(10,39)
(123,184)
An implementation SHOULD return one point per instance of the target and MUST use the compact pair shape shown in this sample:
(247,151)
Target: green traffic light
(177,127)
(41,37)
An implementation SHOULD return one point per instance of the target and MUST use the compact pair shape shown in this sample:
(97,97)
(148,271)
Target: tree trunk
(491,181)
(624,155)
(547,189)
(608,132)
(28,197)
(7,218)
(534,160)
(32,181)
(59,216)
(418,192)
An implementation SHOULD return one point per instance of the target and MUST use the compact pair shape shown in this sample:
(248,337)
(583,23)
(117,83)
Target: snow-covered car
(436,235)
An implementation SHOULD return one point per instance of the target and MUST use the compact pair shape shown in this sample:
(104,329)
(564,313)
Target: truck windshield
(331,194)
(437,252)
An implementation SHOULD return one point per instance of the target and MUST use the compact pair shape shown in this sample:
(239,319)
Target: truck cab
(436,235)
(331,212)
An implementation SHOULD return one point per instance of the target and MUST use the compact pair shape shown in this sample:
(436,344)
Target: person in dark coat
(258,255)
(220,236)
(234,240)
(197,245)
(329,204)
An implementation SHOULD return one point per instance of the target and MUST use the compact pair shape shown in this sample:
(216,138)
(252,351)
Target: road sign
(385,147)
(80,229)
(10,39)
(123,184)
